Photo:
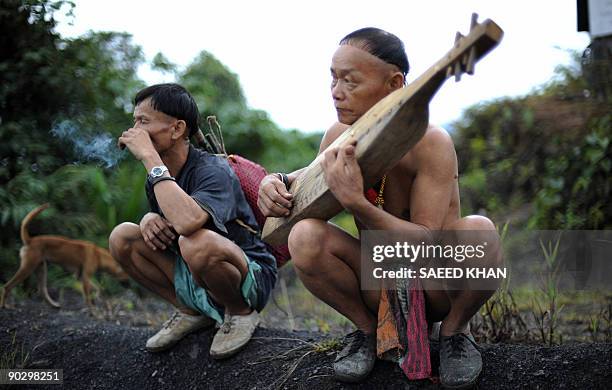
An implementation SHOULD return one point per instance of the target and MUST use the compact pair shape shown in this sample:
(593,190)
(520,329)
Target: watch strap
(161,178)
(284,178)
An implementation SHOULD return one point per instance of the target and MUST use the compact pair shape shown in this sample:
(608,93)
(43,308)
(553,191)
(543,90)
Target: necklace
(380,200)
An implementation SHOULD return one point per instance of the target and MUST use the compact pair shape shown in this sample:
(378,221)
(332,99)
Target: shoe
(175,328)
(356,360)
(460,361)
(234,334)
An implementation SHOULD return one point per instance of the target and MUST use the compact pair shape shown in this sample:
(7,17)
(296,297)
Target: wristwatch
(158,172)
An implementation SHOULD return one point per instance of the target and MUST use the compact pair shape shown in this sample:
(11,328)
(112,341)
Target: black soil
(105,350)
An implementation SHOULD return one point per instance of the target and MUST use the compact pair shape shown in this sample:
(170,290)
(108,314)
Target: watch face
(157,171)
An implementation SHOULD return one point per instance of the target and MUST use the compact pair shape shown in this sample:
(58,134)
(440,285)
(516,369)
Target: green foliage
(162,64)
(91,81)
(215,88)
(550,151)
(576,190)
(246,131)
(61,99)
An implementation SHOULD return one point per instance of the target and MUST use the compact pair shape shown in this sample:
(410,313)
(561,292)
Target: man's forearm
(374,218)
(180,209)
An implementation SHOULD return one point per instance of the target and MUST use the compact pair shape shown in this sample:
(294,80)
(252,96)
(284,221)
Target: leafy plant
(545,308)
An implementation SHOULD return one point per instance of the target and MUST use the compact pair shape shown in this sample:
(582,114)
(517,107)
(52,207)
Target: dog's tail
(25,236)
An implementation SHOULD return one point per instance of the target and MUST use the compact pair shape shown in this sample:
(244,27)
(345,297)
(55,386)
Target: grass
(15,355)
(546,307)
(500,318)
(585,317)
(333,344)
(294,356)
(600,325)
(542,312)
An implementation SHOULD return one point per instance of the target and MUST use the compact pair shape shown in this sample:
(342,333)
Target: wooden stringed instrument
(386,132)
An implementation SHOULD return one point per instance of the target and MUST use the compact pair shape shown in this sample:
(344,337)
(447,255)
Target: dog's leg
(96,288)
(27,265)
(86,274)
(87,291)
(90,265)
(42,285)
(19,277)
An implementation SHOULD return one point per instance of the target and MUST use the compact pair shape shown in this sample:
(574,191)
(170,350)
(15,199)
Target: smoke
(100,147)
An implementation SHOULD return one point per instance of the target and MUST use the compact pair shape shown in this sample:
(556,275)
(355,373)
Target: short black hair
(174,100)
(381,44)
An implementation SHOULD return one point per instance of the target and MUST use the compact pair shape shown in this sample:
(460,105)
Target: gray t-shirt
(212,183)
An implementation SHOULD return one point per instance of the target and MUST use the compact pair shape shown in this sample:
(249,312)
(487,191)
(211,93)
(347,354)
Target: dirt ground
(105,350)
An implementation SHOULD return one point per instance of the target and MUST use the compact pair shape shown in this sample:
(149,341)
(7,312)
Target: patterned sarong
(402,334)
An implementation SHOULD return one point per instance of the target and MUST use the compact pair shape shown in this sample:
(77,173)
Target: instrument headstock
(468,49)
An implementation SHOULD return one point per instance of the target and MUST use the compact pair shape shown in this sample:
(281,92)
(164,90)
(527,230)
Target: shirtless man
(421,195)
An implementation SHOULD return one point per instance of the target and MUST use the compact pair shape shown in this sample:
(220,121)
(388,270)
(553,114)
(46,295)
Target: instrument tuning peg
(458,71)
(469,67)
(458,38)
(474,21)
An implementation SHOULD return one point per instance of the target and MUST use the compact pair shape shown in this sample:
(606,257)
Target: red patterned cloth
(402,332)
(250,174)
(417,361)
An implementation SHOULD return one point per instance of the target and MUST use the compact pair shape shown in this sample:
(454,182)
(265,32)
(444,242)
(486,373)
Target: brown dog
(77,255)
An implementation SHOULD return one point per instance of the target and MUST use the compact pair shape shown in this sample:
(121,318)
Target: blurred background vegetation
(48,82)
(541,161)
